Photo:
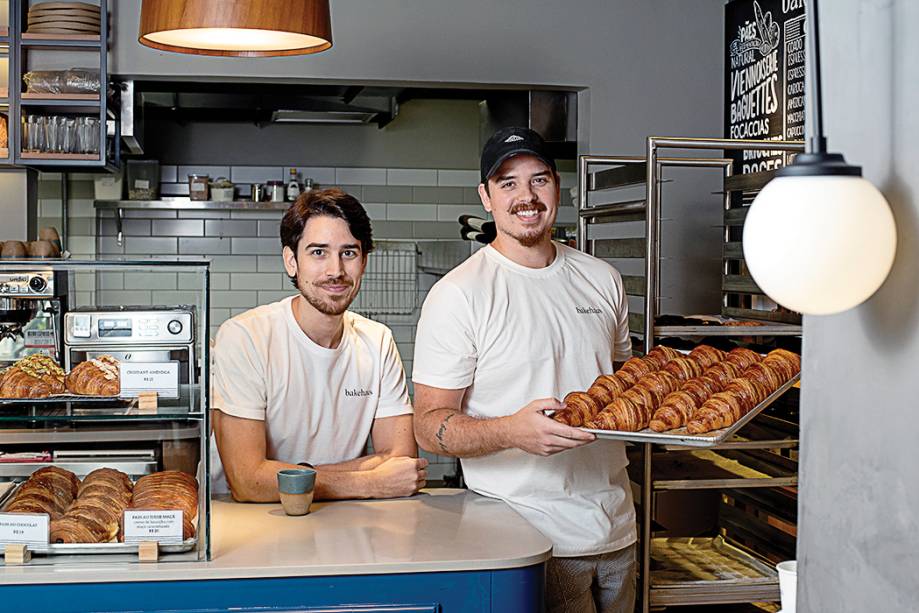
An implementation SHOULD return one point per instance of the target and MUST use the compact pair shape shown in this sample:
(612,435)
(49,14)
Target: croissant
(48,490)
(742,357)
(659,384)
(621,414)
(765,375)
(34,376)
(677,408)
(95,377)
(707,355)
(579,408)
(723,372)
(605,388)
(786,363)
(720,411)
(673,412)
(660,355)
(683,368)
(749,393)
(637,368)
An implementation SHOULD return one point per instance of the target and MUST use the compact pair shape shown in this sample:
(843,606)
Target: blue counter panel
(501,591)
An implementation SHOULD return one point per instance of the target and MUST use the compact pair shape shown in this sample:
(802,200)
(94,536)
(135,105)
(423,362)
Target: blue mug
(296,480)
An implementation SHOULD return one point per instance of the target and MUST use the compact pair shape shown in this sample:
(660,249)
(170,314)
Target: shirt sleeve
(622,343)
(239,374)
(394,398)
(445,351)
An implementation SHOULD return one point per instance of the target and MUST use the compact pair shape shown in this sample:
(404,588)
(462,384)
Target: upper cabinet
(57,99)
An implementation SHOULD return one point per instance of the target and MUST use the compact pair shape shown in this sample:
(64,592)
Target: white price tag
(159,377)
(24,528)
(164,527)
(39,339)
(141,184)
(198,186)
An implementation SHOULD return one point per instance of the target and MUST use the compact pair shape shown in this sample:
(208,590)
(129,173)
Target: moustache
(339,281)
(530,206)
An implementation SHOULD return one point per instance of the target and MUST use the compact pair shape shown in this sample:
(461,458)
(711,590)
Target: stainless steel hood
(551,113)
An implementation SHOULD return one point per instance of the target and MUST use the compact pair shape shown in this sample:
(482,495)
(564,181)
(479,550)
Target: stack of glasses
(60,134)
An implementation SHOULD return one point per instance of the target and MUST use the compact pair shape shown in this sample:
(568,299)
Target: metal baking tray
(69,549)
(59,398)
(700,561)
(680,437)
(770,329)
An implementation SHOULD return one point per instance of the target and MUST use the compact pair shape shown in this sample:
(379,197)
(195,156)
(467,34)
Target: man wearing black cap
(522,323)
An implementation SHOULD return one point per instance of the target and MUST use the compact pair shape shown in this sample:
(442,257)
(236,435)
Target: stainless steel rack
(620,172)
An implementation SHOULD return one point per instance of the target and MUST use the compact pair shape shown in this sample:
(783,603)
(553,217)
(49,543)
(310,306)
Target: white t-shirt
(511,335)
(318,403)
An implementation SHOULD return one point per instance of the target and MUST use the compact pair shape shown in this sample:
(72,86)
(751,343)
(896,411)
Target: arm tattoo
(442,431)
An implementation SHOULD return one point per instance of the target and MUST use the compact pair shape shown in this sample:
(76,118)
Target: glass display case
(104,418)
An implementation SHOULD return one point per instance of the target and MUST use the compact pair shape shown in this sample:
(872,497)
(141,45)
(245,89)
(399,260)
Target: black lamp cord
(817,141)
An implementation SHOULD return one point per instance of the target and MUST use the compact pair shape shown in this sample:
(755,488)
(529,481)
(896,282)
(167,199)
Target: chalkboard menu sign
(764,80)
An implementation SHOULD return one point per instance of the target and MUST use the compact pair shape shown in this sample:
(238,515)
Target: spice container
(198,187)
(222,190)
(143,179)
(276,191)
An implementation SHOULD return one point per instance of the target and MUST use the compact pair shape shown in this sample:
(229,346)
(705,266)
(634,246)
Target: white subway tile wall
(419,205)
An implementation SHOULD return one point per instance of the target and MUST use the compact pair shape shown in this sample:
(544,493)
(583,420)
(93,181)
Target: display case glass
(104,418)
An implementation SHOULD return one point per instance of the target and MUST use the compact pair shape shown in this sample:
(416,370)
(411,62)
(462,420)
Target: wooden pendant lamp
(241,28)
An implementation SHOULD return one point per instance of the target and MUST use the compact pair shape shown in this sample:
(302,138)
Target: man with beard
(305,381)
(501,338)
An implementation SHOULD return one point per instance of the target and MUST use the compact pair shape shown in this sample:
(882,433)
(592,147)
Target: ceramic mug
(295,486)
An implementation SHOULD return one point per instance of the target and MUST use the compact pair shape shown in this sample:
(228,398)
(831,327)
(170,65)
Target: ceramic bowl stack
(70,18)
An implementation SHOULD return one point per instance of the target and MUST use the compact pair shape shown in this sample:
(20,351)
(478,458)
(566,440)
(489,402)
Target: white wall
(858,518)
(651,66)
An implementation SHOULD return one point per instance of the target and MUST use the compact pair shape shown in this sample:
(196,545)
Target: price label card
(159,377)
(39,339)
(24,528)
(164,527)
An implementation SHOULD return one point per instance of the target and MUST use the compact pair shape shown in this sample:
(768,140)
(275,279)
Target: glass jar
(276,191)
(198,187)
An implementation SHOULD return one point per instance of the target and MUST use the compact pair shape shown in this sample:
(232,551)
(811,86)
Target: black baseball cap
(508,142)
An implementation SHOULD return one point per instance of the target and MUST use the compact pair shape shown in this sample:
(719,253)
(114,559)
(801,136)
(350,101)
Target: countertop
(438,530)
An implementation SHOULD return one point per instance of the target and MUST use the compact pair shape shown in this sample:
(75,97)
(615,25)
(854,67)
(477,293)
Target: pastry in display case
(85,460)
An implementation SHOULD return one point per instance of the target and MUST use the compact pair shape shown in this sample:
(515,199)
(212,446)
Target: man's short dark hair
(332,202)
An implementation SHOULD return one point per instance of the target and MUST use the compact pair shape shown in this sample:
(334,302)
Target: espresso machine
(31,306)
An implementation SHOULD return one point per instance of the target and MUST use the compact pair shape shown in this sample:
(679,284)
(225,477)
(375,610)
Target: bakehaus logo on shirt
(358,393)
(588,310)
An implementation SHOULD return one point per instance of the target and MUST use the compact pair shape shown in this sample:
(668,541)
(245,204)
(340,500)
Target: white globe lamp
(819,239)
(819,243)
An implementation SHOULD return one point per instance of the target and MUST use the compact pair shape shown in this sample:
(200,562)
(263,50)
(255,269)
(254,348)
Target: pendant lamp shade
(819,244)
(241,28)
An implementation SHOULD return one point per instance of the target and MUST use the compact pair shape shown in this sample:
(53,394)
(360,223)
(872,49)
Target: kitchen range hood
(551,113)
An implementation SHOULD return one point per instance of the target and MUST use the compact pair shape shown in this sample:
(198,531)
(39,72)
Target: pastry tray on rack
(702,561)
(69,549)
(681,437)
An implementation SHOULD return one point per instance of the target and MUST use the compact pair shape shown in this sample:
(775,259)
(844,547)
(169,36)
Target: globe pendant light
(819,239)
(241,28)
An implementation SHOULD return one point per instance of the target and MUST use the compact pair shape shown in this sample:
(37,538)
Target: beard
(324,303)
(532,237)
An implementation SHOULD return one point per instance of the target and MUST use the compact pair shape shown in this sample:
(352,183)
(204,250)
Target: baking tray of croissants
(87,515)
(697,399)
(40,377)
